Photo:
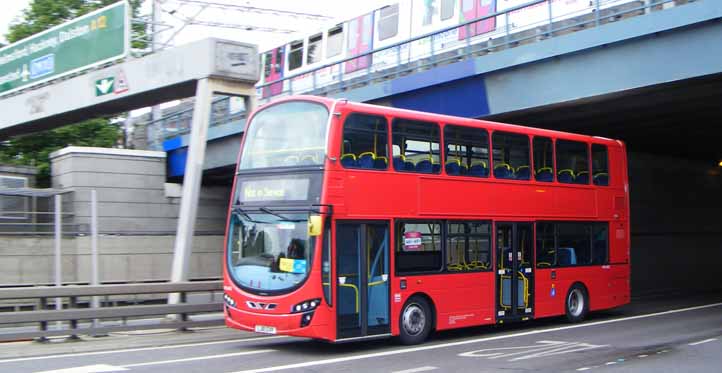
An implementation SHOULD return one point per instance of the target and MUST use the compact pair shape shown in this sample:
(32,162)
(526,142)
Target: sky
(10,9)
(173,11)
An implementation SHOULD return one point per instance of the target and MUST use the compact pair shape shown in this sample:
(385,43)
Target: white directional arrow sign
(104,86)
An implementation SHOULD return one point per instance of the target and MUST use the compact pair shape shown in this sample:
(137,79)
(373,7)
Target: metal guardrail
(94,317)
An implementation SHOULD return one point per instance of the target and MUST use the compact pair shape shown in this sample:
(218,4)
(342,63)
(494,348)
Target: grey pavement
(668,333)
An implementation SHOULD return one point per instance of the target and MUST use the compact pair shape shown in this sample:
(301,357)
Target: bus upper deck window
(600,165)
(572,162)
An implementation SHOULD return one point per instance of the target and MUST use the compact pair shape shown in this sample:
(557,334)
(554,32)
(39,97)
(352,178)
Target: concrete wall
(29,260)
(676,224)
(132,195)
(137,218)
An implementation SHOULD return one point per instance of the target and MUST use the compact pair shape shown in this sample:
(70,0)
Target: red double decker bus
(351,221)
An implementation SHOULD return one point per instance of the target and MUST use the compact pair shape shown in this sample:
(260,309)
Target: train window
(389,22)
(600,165)
(418,247)
(467,5)
(467,151)
(295,56)
(543,159)
(416,146)
(573,244)
(572,162)
(334,42)
(267,64)
(468,246)
(447,9)
(365,142)
(511,156)
(546,249)
(315,48)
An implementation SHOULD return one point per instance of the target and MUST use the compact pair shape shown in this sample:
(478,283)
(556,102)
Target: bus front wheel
(577,303)
(415,321)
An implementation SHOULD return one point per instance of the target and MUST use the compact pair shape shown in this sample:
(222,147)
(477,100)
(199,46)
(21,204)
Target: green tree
(35,149)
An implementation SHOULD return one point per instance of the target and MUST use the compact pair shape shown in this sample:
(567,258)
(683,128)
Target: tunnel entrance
(673,135)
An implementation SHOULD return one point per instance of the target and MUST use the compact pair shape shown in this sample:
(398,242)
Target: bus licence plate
(265,329)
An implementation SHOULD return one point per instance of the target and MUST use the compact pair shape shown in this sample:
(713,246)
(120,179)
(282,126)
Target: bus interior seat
(435,167)
(308,159)
(545,174)
(381,163)
(566,256)
(601,178)
(565,176)
(291,160)
(348,160)
(503,171)
(366,160)
(479,168)
(522,173)
(399,162)
(453,167)
(424,166)
(582,177)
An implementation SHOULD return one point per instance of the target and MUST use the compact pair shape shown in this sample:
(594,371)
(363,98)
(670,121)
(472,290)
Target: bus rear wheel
(577,303)
(415,321)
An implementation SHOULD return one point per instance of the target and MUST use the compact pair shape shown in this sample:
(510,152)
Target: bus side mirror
(315,225)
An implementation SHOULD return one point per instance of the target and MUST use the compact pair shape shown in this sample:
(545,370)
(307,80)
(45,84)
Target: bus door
(514,271)
(362,279)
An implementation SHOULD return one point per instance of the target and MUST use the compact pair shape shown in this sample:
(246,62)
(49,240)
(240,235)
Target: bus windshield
(269,251)
(287,134)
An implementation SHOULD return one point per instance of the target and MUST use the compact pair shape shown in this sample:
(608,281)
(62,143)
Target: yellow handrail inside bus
(355,289)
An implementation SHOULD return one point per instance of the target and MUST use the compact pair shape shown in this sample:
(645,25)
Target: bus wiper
(284,218)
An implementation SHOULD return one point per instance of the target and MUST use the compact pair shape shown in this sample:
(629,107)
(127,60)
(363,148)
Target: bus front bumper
(282,324)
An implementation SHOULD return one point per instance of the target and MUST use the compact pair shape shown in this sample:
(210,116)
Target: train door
(471,9)
(273,70)
(514,271)
(362,279)
(360,40)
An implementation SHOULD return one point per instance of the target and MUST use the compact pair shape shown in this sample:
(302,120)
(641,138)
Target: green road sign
(93,39)
(104,86)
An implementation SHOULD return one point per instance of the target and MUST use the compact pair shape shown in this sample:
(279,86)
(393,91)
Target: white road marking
(99,368)
(611,363)
(470,341)
(414,370)
(540,349)
(705,341)
(139,349)
(584,368)
(197,358)
(642,356)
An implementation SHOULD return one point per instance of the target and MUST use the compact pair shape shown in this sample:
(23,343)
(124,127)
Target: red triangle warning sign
(121,83)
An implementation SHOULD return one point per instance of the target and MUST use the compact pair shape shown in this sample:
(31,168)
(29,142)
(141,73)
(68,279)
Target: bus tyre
(577,303)
(415,321)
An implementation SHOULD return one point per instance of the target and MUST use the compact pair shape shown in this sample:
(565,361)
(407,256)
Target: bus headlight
(306,319)
(229,301)
(306,306)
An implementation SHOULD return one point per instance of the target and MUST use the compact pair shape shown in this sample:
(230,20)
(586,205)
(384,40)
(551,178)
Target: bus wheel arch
(417,319)
(576,302)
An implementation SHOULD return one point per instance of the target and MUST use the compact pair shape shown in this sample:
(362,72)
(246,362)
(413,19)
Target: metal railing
(75,319)
(178,122)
